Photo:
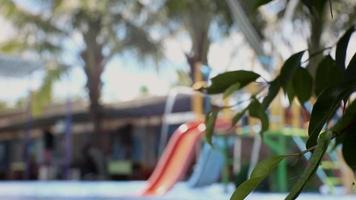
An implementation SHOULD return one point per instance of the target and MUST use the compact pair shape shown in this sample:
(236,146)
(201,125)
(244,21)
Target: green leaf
(347,120)
(351,68)
(316,7)
(261,171)
(259,3)
(325,107)
(230,90)
(43,96)
(348,147)
(273,90)
(12,46)
(341,48)
(327,70)
(289,67)
(223,81)
(246,188)
(20,45)
(265,167)
(313,164)
(210,125)
(290,92)
(302,84)
(238,116)
(256,110)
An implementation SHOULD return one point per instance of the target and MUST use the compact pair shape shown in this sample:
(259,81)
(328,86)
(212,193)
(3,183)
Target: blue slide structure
(209,165)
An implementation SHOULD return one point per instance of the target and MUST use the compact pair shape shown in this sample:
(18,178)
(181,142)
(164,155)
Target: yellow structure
(198,100)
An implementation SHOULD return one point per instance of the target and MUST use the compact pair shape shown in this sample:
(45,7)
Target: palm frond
(43,96)
(21,18)
(16,45)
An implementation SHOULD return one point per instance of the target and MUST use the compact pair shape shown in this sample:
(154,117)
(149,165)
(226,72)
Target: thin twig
(303,152)
(331,9)
(242,101)
(312,55)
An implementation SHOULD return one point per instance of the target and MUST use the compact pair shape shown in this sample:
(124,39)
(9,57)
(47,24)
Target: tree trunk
(198,54)
(314,44)
(93,71)
(198,57)
(93,60)
(94,90)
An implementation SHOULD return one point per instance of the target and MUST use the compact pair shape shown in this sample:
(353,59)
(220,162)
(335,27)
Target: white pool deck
(74,190)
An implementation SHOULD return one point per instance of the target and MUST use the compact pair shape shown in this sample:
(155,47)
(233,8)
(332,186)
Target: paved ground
(57,190)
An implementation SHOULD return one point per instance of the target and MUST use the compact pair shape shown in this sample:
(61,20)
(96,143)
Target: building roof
(142,108)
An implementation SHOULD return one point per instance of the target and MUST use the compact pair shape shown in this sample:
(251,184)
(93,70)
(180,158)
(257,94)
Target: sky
(124,76)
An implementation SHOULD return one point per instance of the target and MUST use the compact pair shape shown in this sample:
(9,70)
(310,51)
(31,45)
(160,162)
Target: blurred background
(93,89)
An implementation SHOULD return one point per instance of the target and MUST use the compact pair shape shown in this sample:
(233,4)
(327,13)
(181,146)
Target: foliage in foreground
(333,85)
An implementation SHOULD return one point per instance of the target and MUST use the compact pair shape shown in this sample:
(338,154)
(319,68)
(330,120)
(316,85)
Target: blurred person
(46,170)
(33,168)
(93,165)
(88,166)
(125,148)
(48,141)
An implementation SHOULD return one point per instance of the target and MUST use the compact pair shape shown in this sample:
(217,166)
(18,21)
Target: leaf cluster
(332,87)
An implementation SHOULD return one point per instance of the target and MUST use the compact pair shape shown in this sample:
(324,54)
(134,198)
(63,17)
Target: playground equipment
(171,98)
(287,124)
(179,152)
(209,165)
(177,157)
(287,127)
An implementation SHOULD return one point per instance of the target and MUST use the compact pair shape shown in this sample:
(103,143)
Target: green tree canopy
(86,33)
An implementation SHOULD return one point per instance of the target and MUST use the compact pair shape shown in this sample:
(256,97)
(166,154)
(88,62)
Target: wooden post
(277,114)
(197,100)
(296,115)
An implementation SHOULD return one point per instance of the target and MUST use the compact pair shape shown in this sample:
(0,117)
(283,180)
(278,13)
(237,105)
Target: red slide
(175,160)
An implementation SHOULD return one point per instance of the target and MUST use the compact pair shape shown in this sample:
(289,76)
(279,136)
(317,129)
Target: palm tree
(88,33)
(196,18)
